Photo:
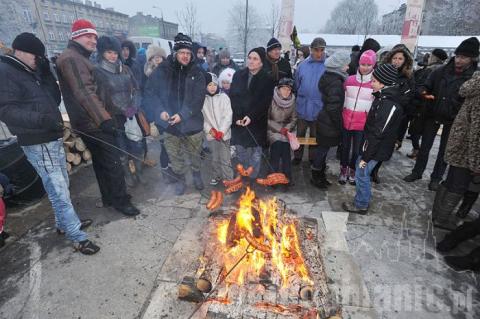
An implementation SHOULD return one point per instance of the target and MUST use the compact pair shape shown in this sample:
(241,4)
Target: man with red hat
(90,118)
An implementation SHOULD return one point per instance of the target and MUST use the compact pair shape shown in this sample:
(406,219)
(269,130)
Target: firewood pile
(75,150)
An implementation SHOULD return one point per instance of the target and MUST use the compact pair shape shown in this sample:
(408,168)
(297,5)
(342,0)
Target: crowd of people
(362,103)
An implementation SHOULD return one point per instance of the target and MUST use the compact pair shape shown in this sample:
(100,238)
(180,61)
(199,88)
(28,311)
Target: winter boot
(462,233)
(412,177)
(168,175)
(351,176)
(443,207)
(468,262)
(180,185)
(318,179)
(374,175)
(469,198)
(434,185)
(197,180)
(130,180)
(342,179)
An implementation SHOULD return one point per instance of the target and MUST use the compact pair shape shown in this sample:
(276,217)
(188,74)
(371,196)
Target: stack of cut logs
(75,150)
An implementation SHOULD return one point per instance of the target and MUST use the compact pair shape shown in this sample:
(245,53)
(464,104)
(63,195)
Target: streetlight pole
(245,33)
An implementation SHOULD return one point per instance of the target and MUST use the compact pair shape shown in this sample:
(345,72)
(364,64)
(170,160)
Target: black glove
(51,122)
(108,127)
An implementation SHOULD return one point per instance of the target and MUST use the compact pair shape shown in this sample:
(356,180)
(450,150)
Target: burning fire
(271,239)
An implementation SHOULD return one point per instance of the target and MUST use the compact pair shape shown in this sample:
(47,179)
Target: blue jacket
(309,98)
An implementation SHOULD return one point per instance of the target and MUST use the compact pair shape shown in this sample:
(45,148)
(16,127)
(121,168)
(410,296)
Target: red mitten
(284,131)
(213,132)
(219,136)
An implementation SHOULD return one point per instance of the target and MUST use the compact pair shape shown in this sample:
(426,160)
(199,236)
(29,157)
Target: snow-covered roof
(385,40)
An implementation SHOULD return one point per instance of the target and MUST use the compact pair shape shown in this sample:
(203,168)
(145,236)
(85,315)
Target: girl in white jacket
(217,114)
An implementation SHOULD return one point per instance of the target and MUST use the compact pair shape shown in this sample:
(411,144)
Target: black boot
(374,175)
(462,233)
(126,208)
(434,185)
(468,262)
(318,179)
(443,207)
(469,198)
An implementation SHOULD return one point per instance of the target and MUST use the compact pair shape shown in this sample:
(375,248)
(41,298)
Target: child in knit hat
(225,80)
(358,100)
(380,134)
(217,114)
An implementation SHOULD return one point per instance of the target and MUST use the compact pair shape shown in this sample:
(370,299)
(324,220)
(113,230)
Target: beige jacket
(217,113)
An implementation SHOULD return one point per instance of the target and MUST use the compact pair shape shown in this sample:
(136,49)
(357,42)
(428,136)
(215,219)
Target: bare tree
(239,31)
(273,18)
(353,17)
(188,20)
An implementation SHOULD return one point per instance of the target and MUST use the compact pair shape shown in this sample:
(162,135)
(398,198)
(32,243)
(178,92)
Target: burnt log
(188,291)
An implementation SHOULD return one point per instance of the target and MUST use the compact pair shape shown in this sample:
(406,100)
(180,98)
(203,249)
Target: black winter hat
(370,44)
(273,44)
(468,47)
(106,43)
(28,42)
(286,82)
(386,73)
(441,54)
(211,77)
(182,41)
(260,51)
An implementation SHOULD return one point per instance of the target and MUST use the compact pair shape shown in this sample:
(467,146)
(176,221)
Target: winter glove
(213,132)
(108,127)
(219,136)
(51,122)
(284,131)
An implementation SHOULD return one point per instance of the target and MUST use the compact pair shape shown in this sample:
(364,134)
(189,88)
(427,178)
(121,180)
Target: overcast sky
(310,15)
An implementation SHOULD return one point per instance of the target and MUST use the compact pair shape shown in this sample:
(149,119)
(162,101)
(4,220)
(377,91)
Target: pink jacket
(358,100)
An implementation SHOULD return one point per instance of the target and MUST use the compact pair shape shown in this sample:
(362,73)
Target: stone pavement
(382,265)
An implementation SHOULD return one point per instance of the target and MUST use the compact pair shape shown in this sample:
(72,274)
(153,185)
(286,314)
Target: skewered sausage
(234,188)
(231,182)
(213,196)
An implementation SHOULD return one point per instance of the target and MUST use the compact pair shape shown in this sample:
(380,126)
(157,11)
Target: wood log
(77,159)
(66,133)
(79,145)
(69,144)
(188,291)
(86,155)
(69,167)
(306,293)
(70,157)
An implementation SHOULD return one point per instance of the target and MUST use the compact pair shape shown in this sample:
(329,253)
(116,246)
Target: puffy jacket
(176,89)
(75,73)
(282,114)
(27,101)
(444,84)
(358,100)
(252,101)
(381,128)
(217,114)
(329,120)
(309,98)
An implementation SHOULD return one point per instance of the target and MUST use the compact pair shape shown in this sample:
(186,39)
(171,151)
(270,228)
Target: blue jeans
(250,156)
(351,140)
(363,184)
(49,161)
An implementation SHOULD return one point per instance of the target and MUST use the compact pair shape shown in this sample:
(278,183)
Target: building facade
(150,26)
(51,20)
(392,22)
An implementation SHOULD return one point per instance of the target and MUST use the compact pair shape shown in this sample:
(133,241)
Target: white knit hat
(226,76)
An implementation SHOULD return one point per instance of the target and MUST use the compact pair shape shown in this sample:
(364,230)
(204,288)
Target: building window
(51,35)
(27,15)
(56,17)
(60,36)
(72,18)
(64,18)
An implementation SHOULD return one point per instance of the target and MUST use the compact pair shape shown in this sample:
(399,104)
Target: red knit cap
(82,27)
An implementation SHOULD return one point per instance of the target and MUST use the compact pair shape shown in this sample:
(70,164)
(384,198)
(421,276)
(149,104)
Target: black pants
(458,179)
(108,168)
(320,161)
(415,141)
(402,129)
(280,158)
(302,126)
(428,137)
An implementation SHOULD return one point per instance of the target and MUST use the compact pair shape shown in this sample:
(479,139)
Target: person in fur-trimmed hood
(217,115)
(155,56)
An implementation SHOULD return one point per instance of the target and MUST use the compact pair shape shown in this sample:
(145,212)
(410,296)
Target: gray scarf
(281,102)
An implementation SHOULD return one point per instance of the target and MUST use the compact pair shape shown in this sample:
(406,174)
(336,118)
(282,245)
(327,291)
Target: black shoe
(4,235)
(447,244)
(374,176)
(296,161)
(463,263)
(433,185)
(86,247)
(469,198)
(318,180)
(443,206)
(412,178)
(351,208)
(127,209)
(84,223)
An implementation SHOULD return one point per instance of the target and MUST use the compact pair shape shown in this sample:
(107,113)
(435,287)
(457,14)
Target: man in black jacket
(29,99)
(173,97)
(380,132)
(276,66)
(441,92)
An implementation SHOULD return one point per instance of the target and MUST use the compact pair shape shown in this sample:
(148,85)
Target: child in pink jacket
(358,100)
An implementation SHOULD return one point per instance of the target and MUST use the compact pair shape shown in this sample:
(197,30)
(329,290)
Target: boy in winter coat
(282,118)
(329,120)
(358,100)
(217,114)
(380,134)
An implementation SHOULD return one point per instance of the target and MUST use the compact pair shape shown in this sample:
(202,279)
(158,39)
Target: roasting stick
(247,251)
